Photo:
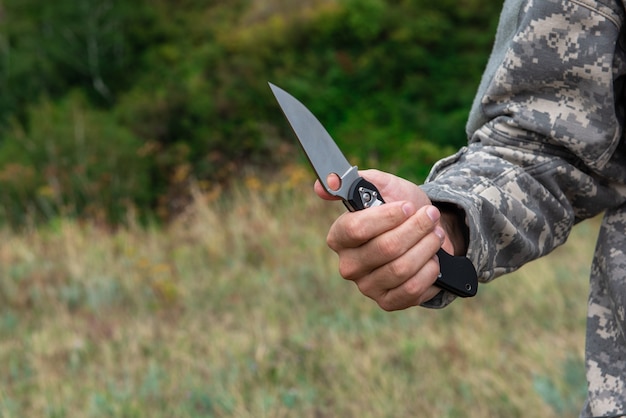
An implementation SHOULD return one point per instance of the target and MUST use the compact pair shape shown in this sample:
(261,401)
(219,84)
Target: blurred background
(107,105)
(161,250)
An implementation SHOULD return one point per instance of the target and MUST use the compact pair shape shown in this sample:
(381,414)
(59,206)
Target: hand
(389,251)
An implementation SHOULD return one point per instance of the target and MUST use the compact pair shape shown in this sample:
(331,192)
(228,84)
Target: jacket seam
(591,7)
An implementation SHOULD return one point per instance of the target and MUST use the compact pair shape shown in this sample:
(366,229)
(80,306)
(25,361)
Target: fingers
(389,252)
(379,178)
(399,265)
(368,245)
(391,187)
(405,282)
(356,228)
(334,183)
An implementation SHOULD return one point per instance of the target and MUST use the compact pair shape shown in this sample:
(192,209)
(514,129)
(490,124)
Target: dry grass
(237,311)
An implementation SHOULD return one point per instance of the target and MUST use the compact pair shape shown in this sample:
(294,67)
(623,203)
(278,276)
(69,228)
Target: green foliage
(71,160)
(50,47)
(189,80)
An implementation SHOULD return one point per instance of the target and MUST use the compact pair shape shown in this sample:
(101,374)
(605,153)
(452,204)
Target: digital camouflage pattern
(547,150)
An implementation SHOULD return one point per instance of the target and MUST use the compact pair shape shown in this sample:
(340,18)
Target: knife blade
(457,274)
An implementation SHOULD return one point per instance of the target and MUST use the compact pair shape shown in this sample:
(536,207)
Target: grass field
(237,310)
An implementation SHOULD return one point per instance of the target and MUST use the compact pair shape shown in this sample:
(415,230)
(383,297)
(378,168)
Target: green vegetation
(236,310)
(118,115)
(111,104)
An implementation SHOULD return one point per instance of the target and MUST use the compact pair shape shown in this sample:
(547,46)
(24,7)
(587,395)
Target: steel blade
(319,147)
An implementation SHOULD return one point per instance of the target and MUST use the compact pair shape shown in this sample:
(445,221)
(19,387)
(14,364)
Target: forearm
(515,211)
(546,149)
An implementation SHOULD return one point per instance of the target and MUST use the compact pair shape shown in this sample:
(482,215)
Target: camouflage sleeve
(546,149)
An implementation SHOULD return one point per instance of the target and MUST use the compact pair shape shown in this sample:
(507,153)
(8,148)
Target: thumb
(334,183)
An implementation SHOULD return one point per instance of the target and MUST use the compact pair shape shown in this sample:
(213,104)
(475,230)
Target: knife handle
(457,273)
(363,195)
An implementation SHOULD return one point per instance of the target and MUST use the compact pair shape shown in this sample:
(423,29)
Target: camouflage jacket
(547,150)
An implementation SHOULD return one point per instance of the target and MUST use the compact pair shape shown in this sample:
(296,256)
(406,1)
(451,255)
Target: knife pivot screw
(367,197)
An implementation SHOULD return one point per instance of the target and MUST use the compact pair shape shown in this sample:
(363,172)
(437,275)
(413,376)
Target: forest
(110,105)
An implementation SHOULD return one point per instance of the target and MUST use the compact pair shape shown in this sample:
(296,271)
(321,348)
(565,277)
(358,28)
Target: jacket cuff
(442,194)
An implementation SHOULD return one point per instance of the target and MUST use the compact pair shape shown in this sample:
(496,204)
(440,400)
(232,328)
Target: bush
(186,83)
(71,160)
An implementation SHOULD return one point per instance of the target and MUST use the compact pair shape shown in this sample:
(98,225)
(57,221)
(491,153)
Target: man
(546,150)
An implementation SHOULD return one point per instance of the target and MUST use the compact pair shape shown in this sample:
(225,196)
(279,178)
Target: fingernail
(408,209)
(440,233)
(433,213)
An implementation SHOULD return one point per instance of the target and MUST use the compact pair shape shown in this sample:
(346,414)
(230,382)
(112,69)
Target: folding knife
(457,274)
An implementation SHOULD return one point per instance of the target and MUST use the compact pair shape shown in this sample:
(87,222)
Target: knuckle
(347,231)
(365,287)
(347,269)
(370,289)
(332,238)
(423,224)
(393,218)
(387,305)
(354,230)
(399,268)
(389,247)
(331,241)
(414,287)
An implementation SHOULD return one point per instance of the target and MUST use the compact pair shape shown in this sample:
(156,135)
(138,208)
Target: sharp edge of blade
(323,153)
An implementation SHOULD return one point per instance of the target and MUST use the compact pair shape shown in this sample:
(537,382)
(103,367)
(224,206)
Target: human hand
(389,251)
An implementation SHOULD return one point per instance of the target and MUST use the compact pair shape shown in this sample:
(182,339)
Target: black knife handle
(457,273)
(363,195)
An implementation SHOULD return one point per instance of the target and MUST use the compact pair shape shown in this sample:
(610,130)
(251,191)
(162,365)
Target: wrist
(453,223)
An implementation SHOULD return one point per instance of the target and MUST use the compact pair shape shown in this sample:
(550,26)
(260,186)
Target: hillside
(111,105)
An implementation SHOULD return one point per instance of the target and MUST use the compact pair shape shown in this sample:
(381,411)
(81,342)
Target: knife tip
(277,90)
